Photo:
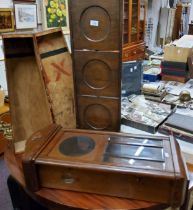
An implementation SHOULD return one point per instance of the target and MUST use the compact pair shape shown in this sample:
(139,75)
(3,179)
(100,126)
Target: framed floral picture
(55,14)
(25,16)
(6,20)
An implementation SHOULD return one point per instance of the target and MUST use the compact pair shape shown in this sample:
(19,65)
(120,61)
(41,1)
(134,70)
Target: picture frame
(39,11)
(55,14)
(25,16)
(6,20)
(30,1)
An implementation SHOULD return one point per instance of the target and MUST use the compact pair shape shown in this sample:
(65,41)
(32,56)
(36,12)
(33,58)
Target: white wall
(153,13)
(191,13)
(6,3)
(3,81)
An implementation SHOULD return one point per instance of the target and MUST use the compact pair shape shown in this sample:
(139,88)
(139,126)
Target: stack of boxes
(175,71)
(174,65)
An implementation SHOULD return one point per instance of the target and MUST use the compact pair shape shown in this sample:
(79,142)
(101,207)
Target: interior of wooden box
(29,106)
(50,41)
(58,76)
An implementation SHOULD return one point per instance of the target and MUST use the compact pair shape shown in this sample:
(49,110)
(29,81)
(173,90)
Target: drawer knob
(68,180)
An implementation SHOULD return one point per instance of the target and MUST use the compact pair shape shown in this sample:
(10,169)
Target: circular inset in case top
(77,146)
(95,23)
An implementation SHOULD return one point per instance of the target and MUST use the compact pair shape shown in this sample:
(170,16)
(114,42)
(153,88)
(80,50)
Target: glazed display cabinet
(134,30)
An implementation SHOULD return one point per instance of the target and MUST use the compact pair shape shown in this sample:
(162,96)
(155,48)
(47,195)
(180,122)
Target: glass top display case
(136,152)
(108,163)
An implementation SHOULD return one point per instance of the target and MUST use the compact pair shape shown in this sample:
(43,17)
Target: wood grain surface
(4,118)
(56,66)
(28,100)
(60,199)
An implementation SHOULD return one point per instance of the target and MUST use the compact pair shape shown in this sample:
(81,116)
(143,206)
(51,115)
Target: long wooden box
(116,164)
(96,34)
(39,92)
(29,106)
(55,64)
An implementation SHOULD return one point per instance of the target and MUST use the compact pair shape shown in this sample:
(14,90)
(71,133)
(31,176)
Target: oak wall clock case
(96,34)
(116,164)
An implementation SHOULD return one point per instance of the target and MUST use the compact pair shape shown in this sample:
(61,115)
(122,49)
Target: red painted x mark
(58,67)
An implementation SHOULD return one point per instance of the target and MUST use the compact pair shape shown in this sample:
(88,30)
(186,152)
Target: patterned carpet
(5,200)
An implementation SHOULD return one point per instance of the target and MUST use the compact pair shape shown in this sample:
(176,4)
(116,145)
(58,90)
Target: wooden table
(3,142)
(4,108)
(61,199)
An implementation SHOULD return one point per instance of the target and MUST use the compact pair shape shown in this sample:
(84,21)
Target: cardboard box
(179,54)
(179,50)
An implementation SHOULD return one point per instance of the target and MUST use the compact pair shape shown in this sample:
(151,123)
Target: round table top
(60,199)
(4,118)
(4,108)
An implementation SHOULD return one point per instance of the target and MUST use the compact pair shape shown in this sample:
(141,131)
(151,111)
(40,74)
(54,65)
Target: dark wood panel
(96,24)
(97,73)
(120,185)
(98,113)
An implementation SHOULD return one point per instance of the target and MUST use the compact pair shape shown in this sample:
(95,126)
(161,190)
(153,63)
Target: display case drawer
(134,52)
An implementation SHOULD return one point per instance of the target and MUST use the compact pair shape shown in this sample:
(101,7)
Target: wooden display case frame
(133,49)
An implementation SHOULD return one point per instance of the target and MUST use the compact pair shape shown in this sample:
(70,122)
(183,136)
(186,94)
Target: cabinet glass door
(142,20)
(125,22)
(135,152)
(134,21)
